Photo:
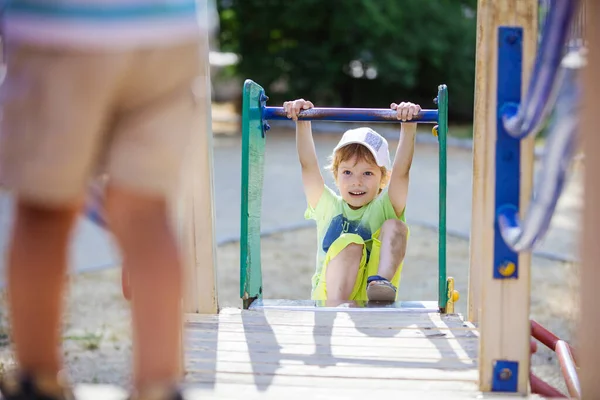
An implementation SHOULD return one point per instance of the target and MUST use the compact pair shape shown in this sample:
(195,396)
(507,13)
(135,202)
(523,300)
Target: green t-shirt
(334,217)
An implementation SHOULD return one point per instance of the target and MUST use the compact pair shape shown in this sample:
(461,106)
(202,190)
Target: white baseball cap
(371,140)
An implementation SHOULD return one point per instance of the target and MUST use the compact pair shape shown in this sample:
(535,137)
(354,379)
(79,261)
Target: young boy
(362,233)
(89,84)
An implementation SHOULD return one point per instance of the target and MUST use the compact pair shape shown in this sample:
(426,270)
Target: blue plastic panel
(508,148)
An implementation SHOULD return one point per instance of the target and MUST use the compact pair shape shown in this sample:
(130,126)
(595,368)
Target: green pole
(442,101)
(253,157)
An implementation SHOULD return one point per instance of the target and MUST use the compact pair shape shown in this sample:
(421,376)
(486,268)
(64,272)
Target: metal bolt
(264,97)
(511,39)
(505,374)
(266,126)
(435,100)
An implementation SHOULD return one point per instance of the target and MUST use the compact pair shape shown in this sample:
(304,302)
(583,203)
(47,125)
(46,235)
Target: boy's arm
(398,187)
(311,174)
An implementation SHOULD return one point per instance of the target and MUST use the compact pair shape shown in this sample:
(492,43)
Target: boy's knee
(58,219)
(132,215)
(350,253)
(395,227)
(354,249)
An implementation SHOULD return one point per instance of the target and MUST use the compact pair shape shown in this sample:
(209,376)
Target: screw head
(511,39)
(505,374)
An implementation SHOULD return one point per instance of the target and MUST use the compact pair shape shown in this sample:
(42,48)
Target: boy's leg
(140,224)
(47,145)
(342,270)
(37,263)
(393,237)
(158,111)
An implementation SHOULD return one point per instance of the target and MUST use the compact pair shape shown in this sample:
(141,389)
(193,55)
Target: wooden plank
(195,211)
(274,348)
(390,324)
(504,315)
(424,391)
(479,165)
(318,382)
(379,339)
(589,352)
(516,298)
(397,359)
(355,306)
(231,390)
(334,372)
(427,352)
(289,317)
(341,392)
(212,329)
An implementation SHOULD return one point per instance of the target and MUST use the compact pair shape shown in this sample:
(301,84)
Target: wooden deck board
(331,353)
(305,353)
(228,390)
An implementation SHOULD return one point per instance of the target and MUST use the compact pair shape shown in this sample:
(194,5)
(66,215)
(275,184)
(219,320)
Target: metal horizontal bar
(349,115)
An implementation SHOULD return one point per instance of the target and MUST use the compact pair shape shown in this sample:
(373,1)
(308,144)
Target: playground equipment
(255,117)
(274,347)
(499,301)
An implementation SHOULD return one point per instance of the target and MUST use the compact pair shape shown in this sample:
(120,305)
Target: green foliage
(353,53)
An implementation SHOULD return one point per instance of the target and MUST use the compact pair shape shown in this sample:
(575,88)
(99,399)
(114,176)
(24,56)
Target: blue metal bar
(541,94)
(349,115)
(559,151)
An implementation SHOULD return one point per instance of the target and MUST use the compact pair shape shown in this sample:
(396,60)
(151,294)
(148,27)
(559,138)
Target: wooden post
(589,324)
(500,306)
(195,213)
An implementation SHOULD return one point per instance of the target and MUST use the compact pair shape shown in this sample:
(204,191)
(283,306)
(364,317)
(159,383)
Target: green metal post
(253,156)
(442,100)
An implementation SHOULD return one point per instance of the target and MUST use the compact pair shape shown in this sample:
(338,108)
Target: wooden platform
(294,350)
(331,353)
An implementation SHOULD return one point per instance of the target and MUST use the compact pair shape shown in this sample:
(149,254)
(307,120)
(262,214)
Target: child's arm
(398,187)
(311,174)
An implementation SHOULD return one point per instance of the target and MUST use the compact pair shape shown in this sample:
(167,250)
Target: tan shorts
(68,116)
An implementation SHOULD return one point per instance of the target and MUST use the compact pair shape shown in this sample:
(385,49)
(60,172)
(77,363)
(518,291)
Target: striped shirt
(110,24)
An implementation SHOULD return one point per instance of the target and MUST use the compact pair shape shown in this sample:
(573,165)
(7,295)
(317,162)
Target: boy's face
(359,181)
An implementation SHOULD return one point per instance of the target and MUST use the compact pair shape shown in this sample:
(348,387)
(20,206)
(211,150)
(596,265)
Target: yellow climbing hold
(434,130)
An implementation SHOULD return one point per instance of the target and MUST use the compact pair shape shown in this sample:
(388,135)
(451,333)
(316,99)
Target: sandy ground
(97,343)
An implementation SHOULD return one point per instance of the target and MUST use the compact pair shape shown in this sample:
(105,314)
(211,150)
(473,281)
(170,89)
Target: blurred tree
(355,53)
